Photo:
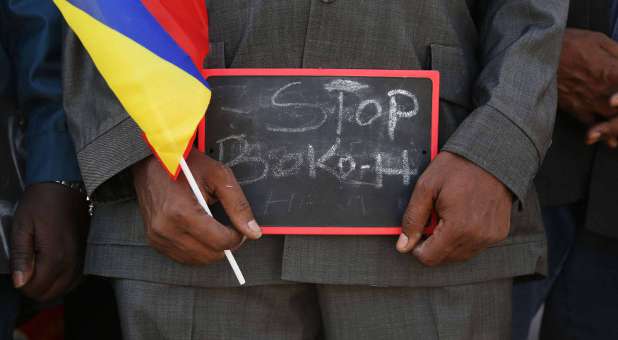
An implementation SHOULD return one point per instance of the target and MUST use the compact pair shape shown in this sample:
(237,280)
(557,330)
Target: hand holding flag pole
(202,201)
(149,52)
(187,23)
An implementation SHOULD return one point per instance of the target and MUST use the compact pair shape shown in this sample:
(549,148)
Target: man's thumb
(416,217)
(22,253)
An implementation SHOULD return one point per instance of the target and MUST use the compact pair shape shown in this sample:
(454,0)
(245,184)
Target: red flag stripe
(186,21)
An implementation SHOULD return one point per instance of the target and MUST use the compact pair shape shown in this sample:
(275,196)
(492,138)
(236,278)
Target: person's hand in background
(606,131)
(177,226)
(49,240)
(588,76)
(473,208)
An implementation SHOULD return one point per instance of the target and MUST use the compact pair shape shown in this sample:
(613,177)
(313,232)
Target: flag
(187,22)
(149,52)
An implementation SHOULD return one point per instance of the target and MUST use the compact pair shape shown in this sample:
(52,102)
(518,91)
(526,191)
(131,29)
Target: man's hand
(606,131)
(175,223)
(588,75)
(48,240)
(473,207)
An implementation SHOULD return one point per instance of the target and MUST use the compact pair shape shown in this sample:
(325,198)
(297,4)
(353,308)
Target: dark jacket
(30,83)
(574,173)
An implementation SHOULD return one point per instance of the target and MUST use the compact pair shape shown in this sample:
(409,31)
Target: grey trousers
(153,311)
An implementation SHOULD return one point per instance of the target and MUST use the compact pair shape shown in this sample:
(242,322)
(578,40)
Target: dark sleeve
(34,28)
(515,97)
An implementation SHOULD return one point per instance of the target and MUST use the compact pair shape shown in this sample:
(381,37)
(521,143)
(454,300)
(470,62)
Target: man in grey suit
(497,61)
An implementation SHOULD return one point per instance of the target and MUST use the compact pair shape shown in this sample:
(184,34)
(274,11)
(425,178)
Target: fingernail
(594,136)
(402,243)
(19,279)
(255,229)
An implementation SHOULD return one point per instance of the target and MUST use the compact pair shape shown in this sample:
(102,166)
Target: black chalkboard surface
(324,151)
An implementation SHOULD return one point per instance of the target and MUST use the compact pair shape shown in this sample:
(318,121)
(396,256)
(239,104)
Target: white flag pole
(200,198)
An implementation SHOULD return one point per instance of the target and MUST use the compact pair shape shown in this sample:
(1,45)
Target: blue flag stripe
(132,19)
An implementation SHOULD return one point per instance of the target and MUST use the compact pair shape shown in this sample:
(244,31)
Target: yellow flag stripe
(165,101)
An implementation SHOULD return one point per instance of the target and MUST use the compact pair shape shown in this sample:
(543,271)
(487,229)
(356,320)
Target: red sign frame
(434,76)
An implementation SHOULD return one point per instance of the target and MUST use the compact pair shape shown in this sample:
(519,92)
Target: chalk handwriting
(395,112)
(366,112)
(327,152)
(287,165)
(343,86)
(313,124)
(242,158)
(234,110)
(287,202)
(405,172)
(287,161)
(361,109)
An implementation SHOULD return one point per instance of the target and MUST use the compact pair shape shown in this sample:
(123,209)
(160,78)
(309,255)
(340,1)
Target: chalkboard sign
(321,151)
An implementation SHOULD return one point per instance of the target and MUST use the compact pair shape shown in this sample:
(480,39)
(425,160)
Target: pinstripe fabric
(305,311)
(152,311)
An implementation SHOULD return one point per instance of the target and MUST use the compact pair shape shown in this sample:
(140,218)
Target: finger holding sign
(417,215)
(224,187)
(473,208)
(437,248)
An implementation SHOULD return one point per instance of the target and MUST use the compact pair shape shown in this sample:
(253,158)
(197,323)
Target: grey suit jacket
(497,61)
